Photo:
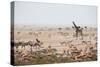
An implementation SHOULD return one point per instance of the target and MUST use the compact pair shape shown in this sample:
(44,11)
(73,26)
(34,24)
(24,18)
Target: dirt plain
(56,45)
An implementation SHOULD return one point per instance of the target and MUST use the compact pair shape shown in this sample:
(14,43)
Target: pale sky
(32,13)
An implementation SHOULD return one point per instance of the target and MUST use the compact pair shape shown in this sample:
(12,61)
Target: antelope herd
(55,45)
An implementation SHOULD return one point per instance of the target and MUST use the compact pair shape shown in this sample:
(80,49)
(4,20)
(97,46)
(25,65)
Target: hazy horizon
(43,14)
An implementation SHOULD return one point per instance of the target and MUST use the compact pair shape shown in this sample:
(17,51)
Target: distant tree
(59,28)
(85,27)
(73,27)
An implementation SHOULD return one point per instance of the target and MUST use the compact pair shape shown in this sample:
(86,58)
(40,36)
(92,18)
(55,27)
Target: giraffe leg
(81,33)
(76,33)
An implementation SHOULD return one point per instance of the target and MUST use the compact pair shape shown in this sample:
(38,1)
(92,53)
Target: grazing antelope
(17,44)
(37,44)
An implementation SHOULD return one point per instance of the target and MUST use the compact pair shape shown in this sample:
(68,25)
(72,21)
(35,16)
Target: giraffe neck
(75,25)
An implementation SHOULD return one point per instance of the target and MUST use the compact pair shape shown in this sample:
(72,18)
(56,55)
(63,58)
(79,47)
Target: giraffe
(78,30)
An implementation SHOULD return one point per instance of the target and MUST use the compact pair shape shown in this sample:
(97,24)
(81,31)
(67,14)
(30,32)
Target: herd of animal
(81,47)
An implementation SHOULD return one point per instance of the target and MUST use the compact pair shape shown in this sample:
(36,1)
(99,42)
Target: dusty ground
(63,40)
